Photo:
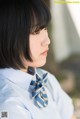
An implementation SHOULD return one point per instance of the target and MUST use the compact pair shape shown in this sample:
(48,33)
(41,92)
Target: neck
(29,70)
(24,70)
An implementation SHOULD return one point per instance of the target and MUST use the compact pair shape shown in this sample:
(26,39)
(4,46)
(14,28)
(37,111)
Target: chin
(40,64)
(37,63)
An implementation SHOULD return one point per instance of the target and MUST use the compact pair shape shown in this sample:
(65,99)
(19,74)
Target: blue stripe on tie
(39,92)
(32,83)
(35,93)
(44,95)
(39,100)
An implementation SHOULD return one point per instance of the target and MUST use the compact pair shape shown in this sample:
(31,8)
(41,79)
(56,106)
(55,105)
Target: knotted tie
(38,92)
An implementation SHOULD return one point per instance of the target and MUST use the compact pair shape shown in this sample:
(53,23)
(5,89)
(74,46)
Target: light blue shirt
(16,99)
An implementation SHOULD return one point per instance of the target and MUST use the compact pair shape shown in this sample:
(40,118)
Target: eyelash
(37,32)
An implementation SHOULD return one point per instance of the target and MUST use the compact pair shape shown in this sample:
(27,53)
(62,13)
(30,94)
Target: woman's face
(39,46)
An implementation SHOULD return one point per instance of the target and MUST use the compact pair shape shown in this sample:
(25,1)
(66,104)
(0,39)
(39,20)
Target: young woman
(26,91)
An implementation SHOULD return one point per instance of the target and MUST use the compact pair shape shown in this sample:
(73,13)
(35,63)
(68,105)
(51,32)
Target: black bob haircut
(19,18)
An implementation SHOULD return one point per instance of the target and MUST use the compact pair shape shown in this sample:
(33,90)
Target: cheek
(35,46)
(35,50)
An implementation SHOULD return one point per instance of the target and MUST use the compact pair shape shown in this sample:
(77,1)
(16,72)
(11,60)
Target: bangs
(39,16)
(19,19)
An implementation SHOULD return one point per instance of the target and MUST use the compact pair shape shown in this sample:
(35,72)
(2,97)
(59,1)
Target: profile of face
(24,40)
(39,46)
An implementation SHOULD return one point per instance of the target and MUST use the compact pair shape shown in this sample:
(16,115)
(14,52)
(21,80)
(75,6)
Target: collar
(18,77)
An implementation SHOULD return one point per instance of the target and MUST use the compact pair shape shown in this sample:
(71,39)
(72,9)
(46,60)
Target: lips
(45,52)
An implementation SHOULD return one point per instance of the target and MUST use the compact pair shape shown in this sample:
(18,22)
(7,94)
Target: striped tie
(38,92)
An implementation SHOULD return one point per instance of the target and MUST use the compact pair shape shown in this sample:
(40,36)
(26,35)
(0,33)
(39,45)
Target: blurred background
(64,54)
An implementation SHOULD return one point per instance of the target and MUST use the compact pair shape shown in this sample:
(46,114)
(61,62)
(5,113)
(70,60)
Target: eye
(36,32)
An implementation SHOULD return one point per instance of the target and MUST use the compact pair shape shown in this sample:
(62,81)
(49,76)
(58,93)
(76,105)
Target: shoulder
(7,92)
(14,107)
(10,102)
(5,89)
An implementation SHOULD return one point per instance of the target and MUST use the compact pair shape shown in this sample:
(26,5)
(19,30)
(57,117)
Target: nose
(46,41)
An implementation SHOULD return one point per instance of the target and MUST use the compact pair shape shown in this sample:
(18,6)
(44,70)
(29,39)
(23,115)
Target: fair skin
(39,46)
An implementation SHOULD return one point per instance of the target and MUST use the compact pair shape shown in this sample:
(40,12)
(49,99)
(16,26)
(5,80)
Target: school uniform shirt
(16,101)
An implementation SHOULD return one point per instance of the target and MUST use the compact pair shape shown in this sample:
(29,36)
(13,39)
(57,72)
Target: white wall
(64,34)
